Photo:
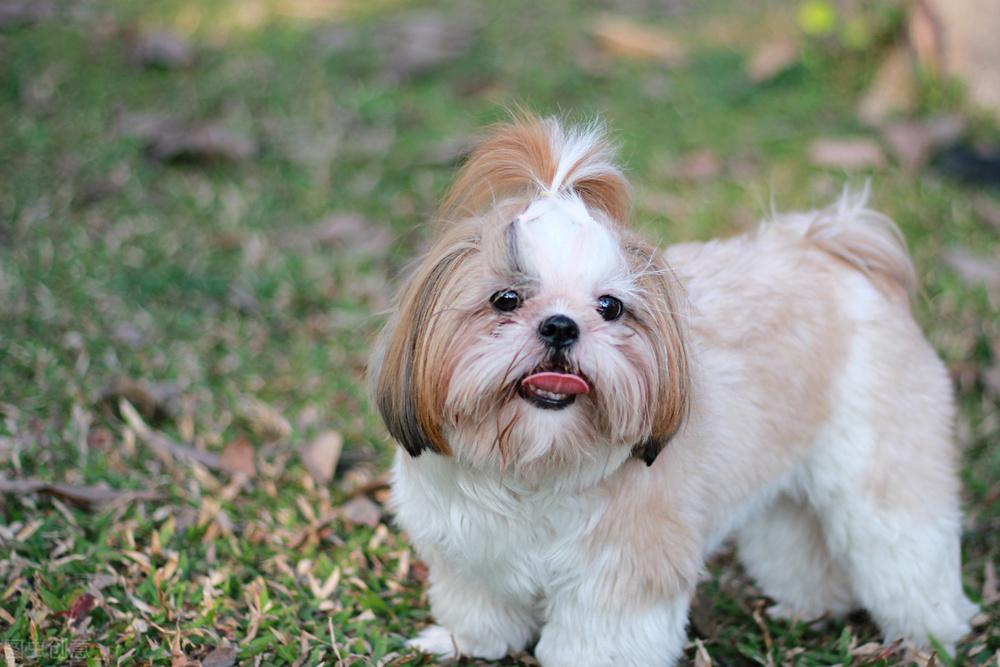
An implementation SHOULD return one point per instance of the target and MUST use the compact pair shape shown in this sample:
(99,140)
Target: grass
(201,277)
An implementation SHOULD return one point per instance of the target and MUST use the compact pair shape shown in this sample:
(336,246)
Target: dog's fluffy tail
(530,156)
(866,239)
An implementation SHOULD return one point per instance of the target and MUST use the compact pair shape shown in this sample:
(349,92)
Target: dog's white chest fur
(515,541)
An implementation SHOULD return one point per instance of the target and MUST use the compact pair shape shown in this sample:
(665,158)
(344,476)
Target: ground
(209,223)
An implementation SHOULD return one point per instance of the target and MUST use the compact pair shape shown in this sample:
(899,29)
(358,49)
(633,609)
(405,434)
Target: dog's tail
(866,239)
(529,156)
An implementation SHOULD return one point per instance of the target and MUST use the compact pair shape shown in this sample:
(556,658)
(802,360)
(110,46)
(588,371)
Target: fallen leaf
(222,656)
(320,456)
(973,268)
(163,49)
(914,142)
(362,510)
(208,142)
(265,420)
(701,656)
(156,402)
(625,38)
(894,89)
(87,497)
(866,650)
(421,41)
(238,457)
(846,153)
(772,58)
(367,486)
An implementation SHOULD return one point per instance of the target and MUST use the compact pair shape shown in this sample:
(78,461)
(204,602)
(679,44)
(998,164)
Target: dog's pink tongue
(558,383)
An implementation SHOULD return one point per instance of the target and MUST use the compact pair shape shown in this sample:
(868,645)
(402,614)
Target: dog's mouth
(552,387)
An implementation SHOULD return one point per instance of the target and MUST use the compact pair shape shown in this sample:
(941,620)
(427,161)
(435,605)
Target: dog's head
(538,330)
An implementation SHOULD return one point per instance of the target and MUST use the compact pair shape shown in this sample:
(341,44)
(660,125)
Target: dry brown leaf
(321,454)
(87,497)
(421,41)
(208,142)
(914,142)
(772,58)
(625,38)
(154,401)
(973,268)
(894,89)
(846,153)
(161,48)
(701,656)
(238,457)
(222,656)
(265,420)
(362,510)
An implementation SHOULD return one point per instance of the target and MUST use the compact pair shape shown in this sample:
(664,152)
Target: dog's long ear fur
(409,370)
(529,155)
(659,322)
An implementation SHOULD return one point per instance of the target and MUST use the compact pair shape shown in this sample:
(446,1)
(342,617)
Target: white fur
(819,436)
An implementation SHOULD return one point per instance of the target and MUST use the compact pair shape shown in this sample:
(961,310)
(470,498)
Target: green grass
(182,274)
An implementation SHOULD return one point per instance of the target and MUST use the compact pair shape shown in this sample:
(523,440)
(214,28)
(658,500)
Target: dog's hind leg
(904,567)
(782,547)
(882,478)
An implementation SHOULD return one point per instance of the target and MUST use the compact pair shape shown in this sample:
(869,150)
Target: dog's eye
(506,300)
(609,307)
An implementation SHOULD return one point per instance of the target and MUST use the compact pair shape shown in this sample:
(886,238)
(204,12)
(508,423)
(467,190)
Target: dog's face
(537,333)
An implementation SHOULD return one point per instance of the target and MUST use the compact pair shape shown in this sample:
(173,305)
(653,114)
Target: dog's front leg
(474,619)
(587,629)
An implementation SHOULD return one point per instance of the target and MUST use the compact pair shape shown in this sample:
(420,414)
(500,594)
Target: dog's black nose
(558,331)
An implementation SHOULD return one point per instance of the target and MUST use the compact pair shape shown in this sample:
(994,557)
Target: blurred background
(205,206)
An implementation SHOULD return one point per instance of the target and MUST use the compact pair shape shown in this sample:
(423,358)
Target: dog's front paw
(435,640)
(438,640)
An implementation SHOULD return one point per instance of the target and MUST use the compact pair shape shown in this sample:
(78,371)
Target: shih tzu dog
(583,418)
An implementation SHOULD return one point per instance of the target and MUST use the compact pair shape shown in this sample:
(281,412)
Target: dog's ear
(409,371)
(659,323)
